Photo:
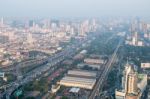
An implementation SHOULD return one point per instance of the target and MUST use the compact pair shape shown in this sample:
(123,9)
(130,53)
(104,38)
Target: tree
(64,97)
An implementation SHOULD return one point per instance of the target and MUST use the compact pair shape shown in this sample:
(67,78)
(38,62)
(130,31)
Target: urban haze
(74,49)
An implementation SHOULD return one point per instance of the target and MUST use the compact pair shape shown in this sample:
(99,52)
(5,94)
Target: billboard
(145,65)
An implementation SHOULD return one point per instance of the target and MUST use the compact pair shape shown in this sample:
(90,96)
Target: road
(12,68)
(99,85)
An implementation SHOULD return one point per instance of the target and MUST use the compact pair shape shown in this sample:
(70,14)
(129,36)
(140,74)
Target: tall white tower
(30,38)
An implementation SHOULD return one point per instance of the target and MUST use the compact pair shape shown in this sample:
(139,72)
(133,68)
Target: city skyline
(74,49)
(74,8)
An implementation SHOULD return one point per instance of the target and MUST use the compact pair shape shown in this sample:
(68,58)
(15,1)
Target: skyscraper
(135,38)
(30,39)
(132,83)
(125,76)
(129,84)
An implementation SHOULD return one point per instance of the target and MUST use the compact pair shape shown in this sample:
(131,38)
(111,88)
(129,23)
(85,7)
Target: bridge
(99,85)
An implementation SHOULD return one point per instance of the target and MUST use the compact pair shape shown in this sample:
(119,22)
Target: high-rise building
(31,23)
(144,27)
(29,38)
(132,83)
(2,22)
(125,76)
(132,87)
(135,38)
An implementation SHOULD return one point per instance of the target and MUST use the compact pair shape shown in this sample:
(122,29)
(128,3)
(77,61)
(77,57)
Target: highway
(52,61)
(12,68)
(99,85)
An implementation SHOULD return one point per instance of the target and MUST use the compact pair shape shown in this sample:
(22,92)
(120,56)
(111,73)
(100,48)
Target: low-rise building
(142,82)
(86,83)
(94,61)
(79,78)
(145,65)
(81,73)
(74,90)
(2,74)
(93,66)
(55,88)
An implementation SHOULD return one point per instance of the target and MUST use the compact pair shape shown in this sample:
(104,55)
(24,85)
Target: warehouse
(82,73)
(86,83)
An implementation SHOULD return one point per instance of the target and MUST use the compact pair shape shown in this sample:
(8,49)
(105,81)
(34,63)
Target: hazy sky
(74,8)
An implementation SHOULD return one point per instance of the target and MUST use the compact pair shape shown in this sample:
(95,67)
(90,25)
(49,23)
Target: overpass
(99,85)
